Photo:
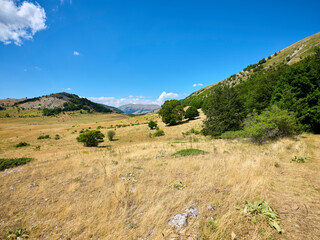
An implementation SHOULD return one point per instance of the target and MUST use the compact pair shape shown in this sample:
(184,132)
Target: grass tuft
(189,152)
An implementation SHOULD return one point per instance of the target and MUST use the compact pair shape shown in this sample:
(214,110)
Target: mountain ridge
(138,109)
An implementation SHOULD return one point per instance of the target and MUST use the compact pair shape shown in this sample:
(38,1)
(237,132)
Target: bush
(189,151)
(270,124)
(152,125)
(12,162)
(57,137)
(111,134)
(22,144)
(233,134)
(159,133)
(44,137)
(91,138)
(171,112)
(192,113)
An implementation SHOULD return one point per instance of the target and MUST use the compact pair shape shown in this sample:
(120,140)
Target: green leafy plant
(261,208)
(91,138)
(299,159)
(22,144)
(188,152)
(57,137)
(177,185)
(17,235)
(111,135)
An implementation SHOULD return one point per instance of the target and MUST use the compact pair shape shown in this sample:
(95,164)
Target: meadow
(129,188)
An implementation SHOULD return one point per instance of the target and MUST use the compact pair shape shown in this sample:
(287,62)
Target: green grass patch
(189,152)
(12,162)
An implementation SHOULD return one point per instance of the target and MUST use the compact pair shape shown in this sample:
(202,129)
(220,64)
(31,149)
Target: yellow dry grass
(80,194)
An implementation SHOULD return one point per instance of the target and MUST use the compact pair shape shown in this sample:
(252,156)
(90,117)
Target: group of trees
(274,102)
(172,112)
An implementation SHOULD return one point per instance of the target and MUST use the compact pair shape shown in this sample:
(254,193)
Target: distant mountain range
(71,102)
(64,101)
(139,108)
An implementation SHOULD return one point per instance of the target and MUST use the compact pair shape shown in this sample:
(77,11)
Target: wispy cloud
(197,85)
(76,53)
(68,89)
(20,22)
(63,1)
(116,102)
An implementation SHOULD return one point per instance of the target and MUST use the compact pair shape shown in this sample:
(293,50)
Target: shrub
(191,113)
(91,138)
(57,137)
(171,112)
(189,151)
(22,144)
(44,137)
(111,135)
(270,124)
(159,133)
(233,134)
(13,162)
(152,124)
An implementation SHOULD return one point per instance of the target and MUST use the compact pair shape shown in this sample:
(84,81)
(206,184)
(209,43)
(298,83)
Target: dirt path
(296,194)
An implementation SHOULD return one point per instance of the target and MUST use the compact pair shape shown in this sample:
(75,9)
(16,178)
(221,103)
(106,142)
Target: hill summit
(64,101)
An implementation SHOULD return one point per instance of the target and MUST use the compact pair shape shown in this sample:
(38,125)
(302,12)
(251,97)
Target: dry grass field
(123,189)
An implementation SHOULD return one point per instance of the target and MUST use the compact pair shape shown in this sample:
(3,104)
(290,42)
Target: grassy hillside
(289,55)
(131,187)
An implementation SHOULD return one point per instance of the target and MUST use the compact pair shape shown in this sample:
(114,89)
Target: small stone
(210,208)
(46,199)
(179,220)
(133,190)
(66,182)
(193,211)
(33,185)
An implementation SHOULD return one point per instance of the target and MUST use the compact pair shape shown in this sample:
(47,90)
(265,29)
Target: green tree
(152,124)
(191,113)
(224,110)
(91,138)
(298,90)
(172,112)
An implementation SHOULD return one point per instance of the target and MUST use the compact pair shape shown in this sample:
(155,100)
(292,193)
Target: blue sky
(117,52)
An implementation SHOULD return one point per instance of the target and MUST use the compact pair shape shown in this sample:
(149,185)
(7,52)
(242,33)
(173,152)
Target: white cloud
(76,53)
(164,96)
(116,102)
(197,85)
(68,89)
(20,22)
